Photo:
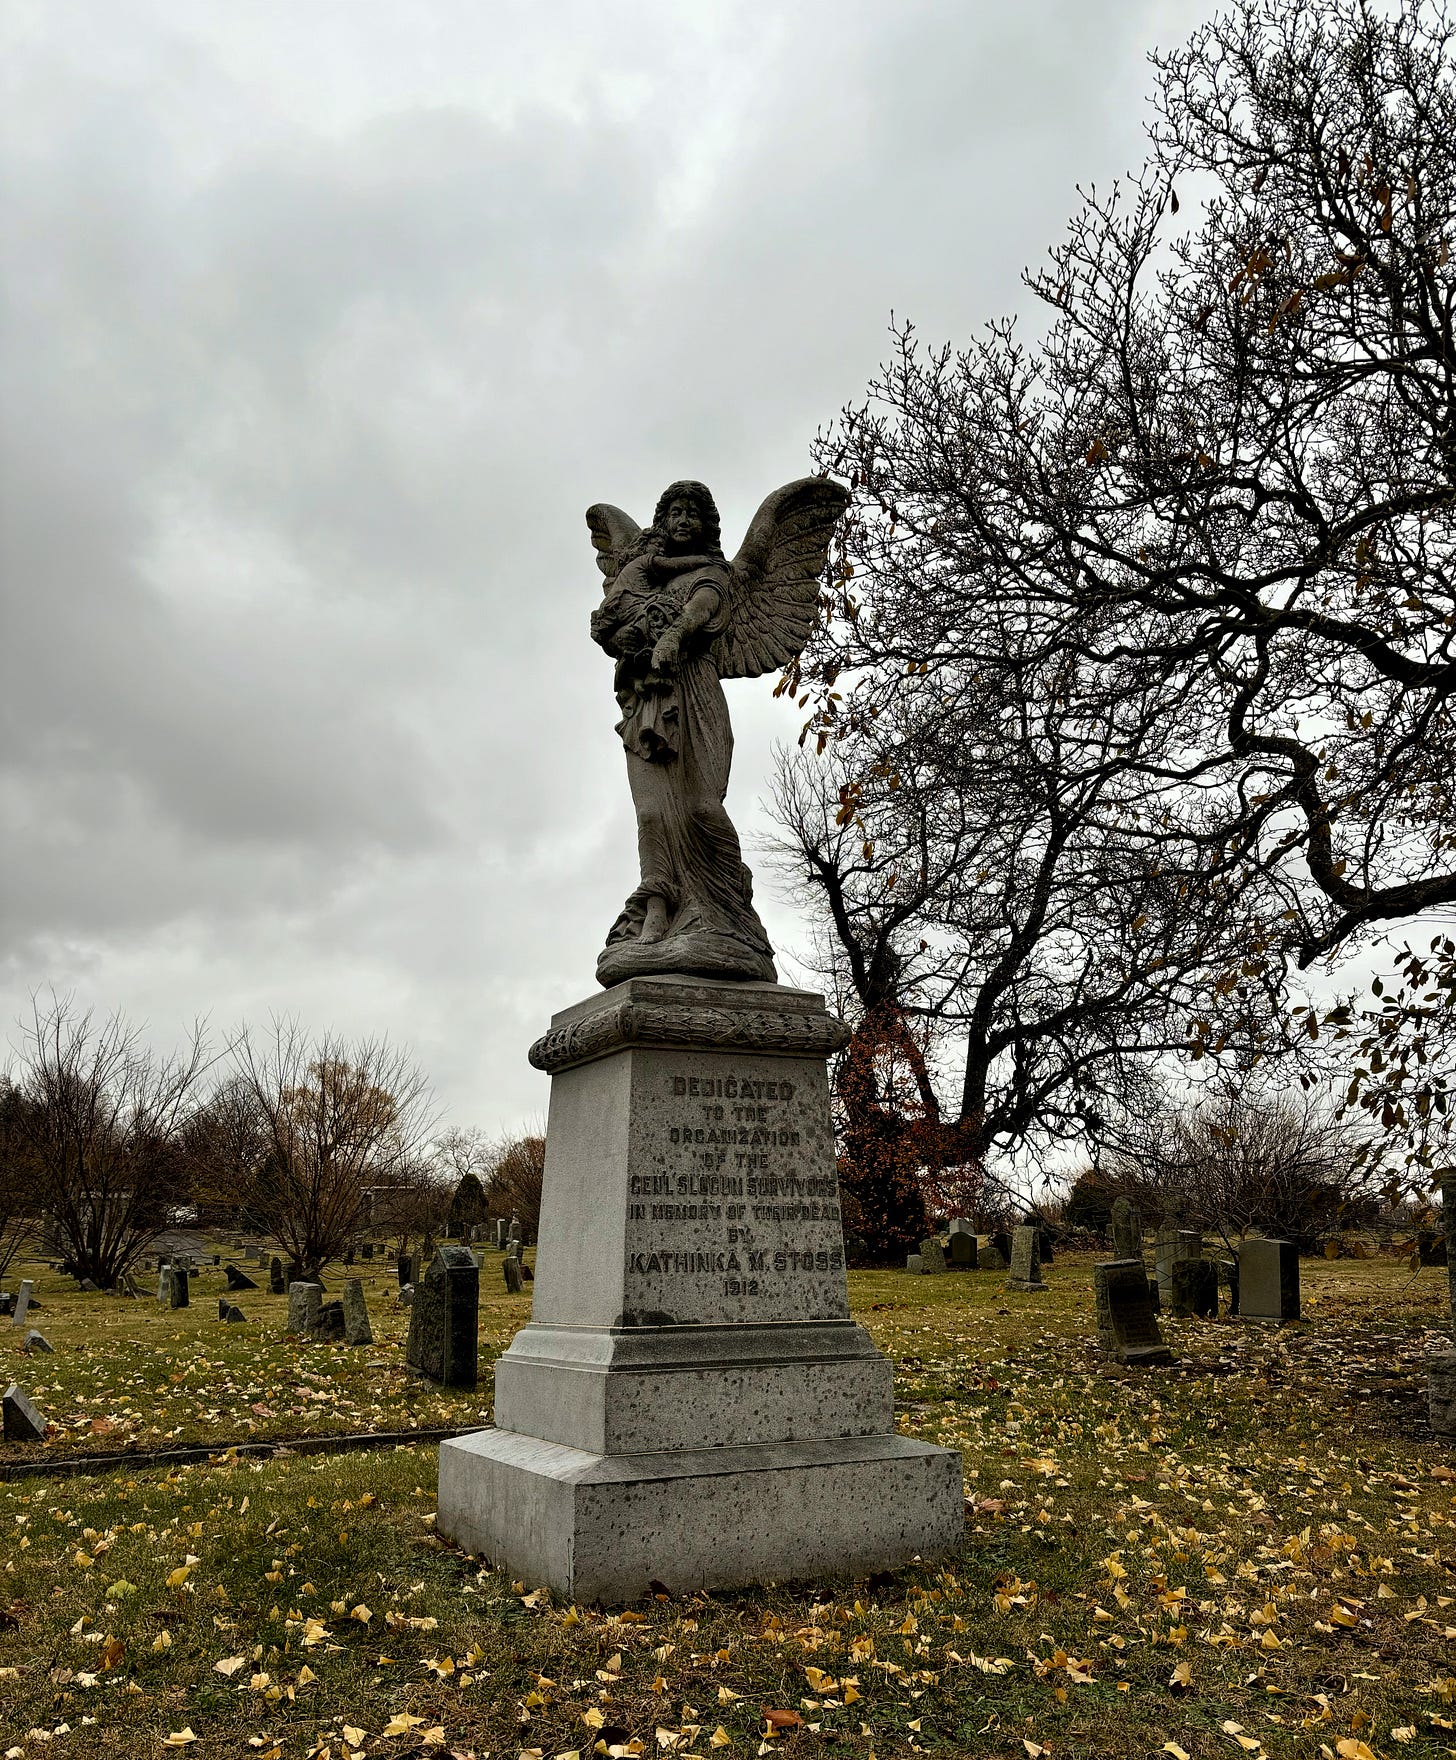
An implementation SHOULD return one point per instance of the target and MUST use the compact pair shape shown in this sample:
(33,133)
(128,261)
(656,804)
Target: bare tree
(463,1160)
(96,1124)
(1244,1157)
(19,1201)
(314,1126)
(514,1185)
(1217,500)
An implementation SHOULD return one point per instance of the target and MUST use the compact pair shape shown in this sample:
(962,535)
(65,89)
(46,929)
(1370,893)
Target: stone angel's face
(684,523)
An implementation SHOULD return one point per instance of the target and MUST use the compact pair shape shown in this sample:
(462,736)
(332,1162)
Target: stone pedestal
(691,1402)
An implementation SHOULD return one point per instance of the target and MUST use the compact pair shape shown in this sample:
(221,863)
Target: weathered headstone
(914,1264)
(1001,1241)
(1126,1326)
(1228,1278)
(1127,1231)
(1165,1252)
(932,1256)
(22,1422)
(513,1232)
(239,1279)
(233,1315)
(406,1296)
(7,1303)
(366,1250)
(445,1320)
(511,1271)
(22,1302)
(962,1249)
(164,1283)
(178,1294)
(357,1329)
(89,1288)
(1194,1286)
(37,1341)
(1441,1367)
(304,1301)
(331,1321)
(405,1269)
(1268,1280)
(277,1278)
(990,1257)
(253,1253)
(1025,1259)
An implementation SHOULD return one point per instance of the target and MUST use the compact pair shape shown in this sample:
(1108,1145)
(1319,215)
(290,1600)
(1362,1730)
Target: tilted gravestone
(235,1315)
(89,1288)
(277,1279)
(37,1341)
(239,1279)
(932,1256)
(511,1271)
(178,1293)
(445,1320)
(22,1422)
(914,1264)
(1268,1280)
(304,1300)
(1194,1286)
(1125,1323)
(962,1253)
(22,1303)
(1025,1260)
(357,1329)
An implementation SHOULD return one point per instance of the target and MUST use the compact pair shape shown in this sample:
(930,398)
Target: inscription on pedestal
(735,1212)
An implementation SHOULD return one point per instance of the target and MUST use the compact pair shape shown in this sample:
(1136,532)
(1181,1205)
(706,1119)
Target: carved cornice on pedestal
(787,1032)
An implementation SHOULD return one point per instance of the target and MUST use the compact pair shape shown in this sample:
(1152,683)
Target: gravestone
(1441,1368)
(37,1341)
(962,1249)
(1127,1232)
(253,1254)
(89,1288)
(22,1302)
(691,1401)
(445,1320)
(514,1235)
(990,1257)
(1228,1278)
(22,1422)
(1001,1241)
(277,1281)
(1268,1280)
(366,1251)
(235,1315)
(304,1300)
(932,1256)
(406,1296)
(357,1329)
(1125,1323)
(7,1303)
(331,1321)
(239,1279)
(914,1264)
(1194,1285)
(511,1270)
(405,1269)
(1165,1252)
(178,1295)
(164,1283)
(1025,1259)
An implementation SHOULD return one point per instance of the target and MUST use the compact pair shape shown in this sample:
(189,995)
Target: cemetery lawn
(1252,1554)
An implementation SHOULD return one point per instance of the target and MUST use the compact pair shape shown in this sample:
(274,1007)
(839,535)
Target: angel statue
(677,617)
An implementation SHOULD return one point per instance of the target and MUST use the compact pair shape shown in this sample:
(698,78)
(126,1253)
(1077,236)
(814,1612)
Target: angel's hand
(665,654)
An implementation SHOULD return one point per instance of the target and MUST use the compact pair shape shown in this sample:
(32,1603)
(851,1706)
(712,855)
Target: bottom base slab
(605,1527)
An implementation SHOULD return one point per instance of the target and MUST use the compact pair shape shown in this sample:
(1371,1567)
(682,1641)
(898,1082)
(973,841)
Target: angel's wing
(773,583)
(612,531)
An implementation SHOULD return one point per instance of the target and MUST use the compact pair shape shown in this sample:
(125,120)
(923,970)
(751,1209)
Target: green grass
(1261,1538)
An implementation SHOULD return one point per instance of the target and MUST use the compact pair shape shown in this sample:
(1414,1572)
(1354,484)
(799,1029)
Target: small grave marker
(1025,1259)
(444,1321)
(22,1422)
(1268,1280)
(357,1329)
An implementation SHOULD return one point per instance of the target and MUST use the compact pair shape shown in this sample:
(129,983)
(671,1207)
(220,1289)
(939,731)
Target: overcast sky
(323,321)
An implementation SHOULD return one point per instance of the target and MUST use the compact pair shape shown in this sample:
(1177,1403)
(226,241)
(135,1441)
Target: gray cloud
(321,327)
